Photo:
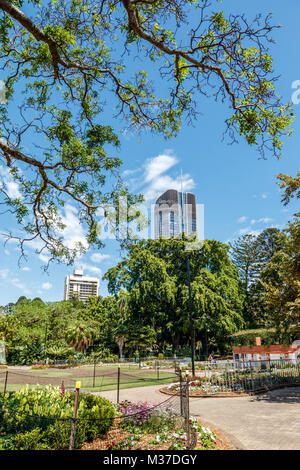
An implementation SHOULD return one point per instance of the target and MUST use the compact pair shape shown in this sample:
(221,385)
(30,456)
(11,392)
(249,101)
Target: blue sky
(237,188)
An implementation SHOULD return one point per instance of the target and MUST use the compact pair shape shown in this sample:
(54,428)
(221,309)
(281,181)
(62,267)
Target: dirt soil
(117,434)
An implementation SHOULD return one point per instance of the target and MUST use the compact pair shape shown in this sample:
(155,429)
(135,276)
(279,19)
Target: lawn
(106,378)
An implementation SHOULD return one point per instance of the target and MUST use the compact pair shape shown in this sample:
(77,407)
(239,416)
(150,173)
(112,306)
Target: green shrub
(162,420)
(45,409)
(30,440)
(111,358)
(71,360)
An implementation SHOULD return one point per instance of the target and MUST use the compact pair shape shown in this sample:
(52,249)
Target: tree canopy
(62,61)
(154,273)
(282,291)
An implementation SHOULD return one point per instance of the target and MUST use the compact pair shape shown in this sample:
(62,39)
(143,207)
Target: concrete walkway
(263,422)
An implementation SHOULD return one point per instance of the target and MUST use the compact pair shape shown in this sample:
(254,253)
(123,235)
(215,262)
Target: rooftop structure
(80,286)
(273,352)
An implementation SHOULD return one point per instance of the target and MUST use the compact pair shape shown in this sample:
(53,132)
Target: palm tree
(120,335)
(81,337)
(58,351)
(123,301)
(121,331)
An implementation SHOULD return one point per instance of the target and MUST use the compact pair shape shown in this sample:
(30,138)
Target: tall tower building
(80,286)
(175,213)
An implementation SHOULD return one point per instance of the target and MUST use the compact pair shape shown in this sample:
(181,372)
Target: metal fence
(68,432)
(93,378)
(245,376)
(130,362)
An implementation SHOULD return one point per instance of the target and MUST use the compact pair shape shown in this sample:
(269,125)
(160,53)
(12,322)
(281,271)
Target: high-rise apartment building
(80,286)
(175,213)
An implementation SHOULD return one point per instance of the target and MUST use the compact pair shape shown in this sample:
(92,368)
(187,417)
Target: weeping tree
(142,339)
(61,62)
(154,273)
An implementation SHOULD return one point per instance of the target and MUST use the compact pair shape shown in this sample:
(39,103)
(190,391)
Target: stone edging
(233,394)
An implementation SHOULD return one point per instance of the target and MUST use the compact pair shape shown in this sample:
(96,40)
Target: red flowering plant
(127,444)
(123,407)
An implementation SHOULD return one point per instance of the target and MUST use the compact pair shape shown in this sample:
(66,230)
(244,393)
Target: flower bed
(155,430)
(143,427)
(201,388)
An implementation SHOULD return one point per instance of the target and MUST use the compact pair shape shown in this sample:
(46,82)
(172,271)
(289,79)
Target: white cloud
(162,183)
(242,219)
(156,166)
(10,186)
(249,231)
(130,172)
(73,232)
(255,232)
(98,257)
(245,230)
(263,220)
(263,195)
(13,190)
(158,182)
(26,269)
(153,179)
(44,258)
(89,267)
(4,273)
(47,286)
(17,283)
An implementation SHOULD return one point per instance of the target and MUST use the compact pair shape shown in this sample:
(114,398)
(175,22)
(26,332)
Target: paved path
(263,422)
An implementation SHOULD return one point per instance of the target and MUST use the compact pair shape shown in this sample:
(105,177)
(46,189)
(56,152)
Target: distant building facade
(80,286)
(175,213)
(274,352)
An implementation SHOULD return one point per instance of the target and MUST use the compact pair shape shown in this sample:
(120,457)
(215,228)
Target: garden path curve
(270,421)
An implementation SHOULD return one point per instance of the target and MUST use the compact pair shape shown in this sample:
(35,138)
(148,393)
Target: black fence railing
(21,428)
(93,378)
(245,376)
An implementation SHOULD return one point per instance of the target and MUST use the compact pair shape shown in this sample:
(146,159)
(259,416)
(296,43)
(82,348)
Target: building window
(160,224)
(172,224)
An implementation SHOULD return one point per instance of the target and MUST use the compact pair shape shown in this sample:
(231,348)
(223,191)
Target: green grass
(136,378)
(108,383)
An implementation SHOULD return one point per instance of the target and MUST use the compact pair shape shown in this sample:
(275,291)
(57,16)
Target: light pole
(45,344)
(192,331)
(191,320)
